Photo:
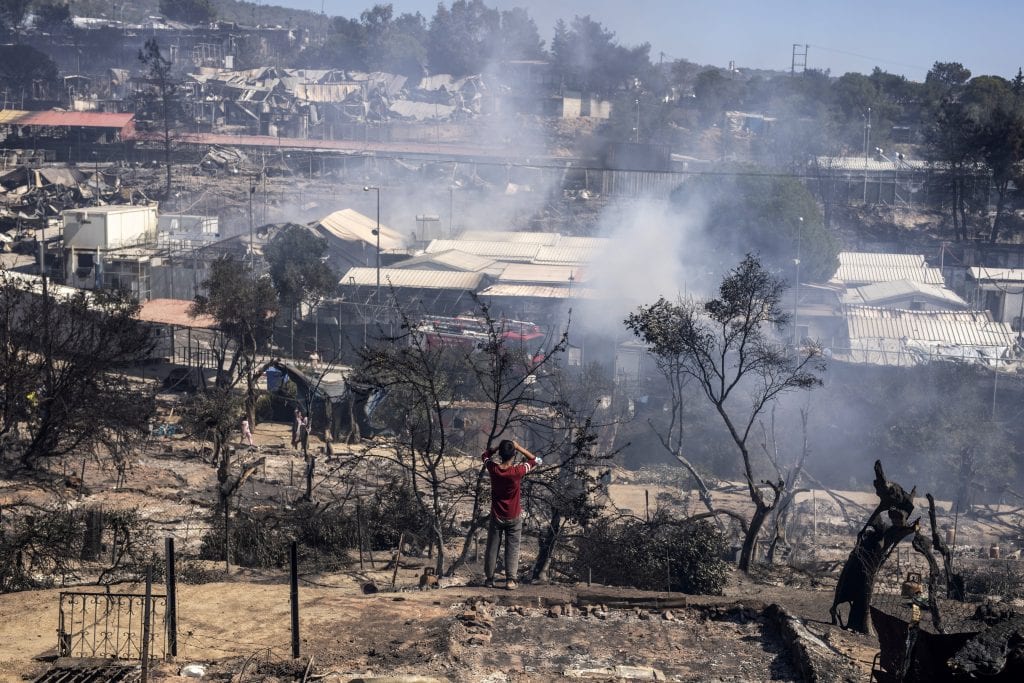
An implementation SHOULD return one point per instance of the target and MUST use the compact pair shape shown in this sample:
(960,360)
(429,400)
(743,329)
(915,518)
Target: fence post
(295,598)
(146,613)
(172,600)
(359,534)
(398,559)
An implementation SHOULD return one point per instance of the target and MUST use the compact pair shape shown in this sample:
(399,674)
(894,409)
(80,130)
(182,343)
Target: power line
(876,60)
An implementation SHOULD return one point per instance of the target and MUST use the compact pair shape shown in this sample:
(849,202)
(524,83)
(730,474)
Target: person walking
(304,427)
(506,511)
(296,425)
(246,433)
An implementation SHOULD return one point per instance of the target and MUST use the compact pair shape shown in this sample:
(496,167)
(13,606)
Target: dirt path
(223,624)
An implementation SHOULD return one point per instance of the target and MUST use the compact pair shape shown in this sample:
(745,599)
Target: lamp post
(377,234)
(796,290)
(252,248)
(637,129)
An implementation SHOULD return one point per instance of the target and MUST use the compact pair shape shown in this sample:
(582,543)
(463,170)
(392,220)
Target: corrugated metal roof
(452,259)
(423,111)
(883,259)
(539,292)
(982,273)
(352,226)
(81,119)
(879,292)
(11,115)
(505,251)
(541,273)
(871,164)
(412,278)
(585,242)
(852,274)
(325,92)
(566,255)
(958,328)
(173,312)
(543,238)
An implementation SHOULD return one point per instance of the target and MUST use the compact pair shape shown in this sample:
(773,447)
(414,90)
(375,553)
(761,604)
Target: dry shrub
(41,547)
(1003,578)
(663,553)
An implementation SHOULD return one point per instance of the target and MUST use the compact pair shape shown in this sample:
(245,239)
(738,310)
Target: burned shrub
(1003,578)
(258,538)
(39,547)
(261,537)
(43,547)
(663,553)
(392,510)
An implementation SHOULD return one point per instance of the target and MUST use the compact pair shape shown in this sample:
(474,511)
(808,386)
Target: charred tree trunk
(954,582)
(875,543)
(548,542)
(761,510)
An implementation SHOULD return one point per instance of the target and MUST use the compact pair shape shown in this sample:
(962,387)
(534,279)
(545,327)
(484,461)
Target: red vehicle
(471,332)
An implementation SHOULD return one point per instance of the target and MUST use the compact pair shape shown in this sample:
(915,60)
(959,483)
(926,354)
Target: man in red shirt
(506,511)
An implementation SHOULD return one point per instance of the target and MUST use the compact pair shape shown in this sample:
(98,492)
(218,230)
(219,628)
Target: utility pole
(252,247)
(867,141)
(796,289)
(799,59)
(376,232)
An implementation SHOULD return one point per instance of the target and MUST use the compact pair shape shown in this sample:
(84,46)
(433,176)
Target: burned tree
(164,103)
(214,414)
(515,386)
(427,383)
(887,525)
(723,345)
(61,357)
(569,491)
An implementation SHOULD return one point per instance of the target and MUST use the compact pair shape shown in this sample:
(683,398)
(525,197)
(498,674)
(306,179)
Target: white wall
(108,227)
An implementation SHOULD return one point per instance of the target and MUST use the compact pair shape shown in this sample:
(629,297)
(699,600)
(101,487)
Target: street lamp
(377,233)
(637,129)
(796,290)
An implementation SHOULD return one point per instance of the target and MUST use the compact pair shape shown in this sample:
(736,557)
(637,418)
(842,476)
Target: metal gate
(110,625)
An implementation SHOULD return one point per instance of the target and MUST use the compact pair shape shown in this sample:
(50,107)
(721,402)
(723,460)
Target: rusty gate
(110,625)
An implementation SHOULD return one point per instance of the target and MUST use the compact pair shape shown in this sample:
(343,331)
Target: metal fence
(110,625)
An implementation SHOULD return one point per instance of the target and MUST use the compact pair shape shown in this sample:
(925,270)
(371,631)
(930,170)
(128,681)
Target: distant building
(110,246)
(999,291)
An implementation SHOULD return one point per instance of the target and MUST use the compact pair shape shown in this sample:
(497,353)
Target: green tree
(394,44)
(53,17)
(296,259)
(297,266)
(519,37)
(244,307)
(188,11)
(762,214)
(13,14)
(344,47)
(460,38)
(715,92)
(725,346)
(587,58)
(23,67)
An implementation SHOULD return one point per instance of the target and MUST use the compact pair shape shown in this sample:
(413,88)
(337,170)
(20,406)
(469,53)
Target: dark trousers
(512,530)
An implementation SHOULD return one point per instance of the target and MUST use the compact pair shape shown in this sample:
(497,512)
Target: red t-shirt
(505,486)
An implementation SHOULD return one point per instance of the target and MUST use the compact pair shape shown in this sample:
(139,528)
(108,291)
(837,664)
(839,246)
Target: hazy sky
(900,36)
